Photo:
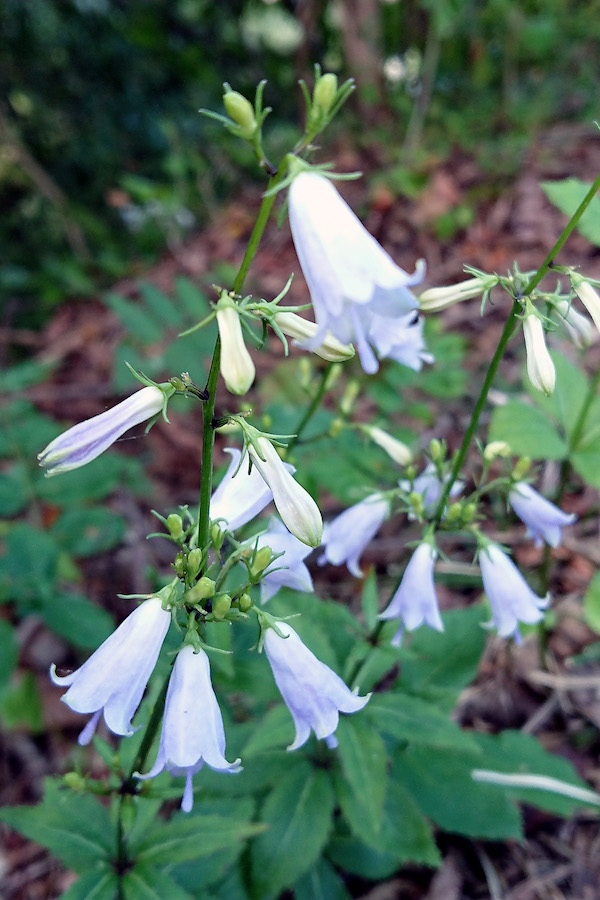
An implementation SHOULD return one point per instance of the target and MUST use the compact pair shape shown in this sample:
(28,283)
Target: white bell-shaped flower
(349,275)
(544,520)
(192,730)
(346,536)
(112,681)
(540,368)
(241,495)
(415,600)
(314,694)
(85,441)
(237,367)
(511,599)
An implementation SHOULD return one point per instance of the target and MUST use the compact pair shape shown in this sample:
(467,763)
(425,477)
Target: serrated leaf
(527,430)
(188,837)
(321,883)
(363,761)
(297,814)
(412,719)
(99,884)
(76,828)
(567,195)
(146,882)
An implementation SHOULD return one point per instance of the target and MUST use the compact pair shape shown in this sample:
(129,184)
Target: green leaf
(14,489)
(9,652)
(297,814)
(98,884)
(145,882)
(565,402)
(321,883)
(370,600)
(135,318)
(275,731)
(189,836)
(591,604)
(20,704)
(353,855)
(363,762)
(527,430)
(160,306)
(412,719)
(77,619)
(440,782)
(85,532)
(567,196)
(76,828)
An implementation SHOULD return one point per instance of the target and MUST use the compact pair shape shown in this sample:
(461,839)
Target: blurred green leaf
(187,836)
(415,721)
(363,761)
(322,882)
(86,532)
(147,882)
(528,431)
(77,619)
(9,652)
(591,604)
(567,195)
(98,884)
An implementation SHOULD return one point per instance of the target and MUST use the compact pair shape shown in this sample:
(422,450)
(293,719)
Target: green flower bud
(175,525)
(521,468)
(74,780)
(494,449)
(416,501)
(194,561)
(336,427)
(221,606)
(202,590)
(469,512)
(261,561)
(324,93)
(242,112)
(245,602)
(179,564)
(217,537)
(436,450)
(454,513)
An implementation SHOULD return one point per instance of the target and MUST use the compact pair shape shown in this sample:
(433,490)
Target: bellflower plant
(511,599)
(289,569)
(349,275)
(114,678)
(300,329)
(85,441)
(415,600)
(192,732)
(540,368)
(313,693)
(294,504)
(237,367)
(544,520)
(401,339)
(346,536)
(242,494)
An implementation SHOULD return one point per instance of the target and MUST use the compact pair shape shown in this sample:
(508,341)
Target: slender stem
(208,443)
(257,232)
(312,408)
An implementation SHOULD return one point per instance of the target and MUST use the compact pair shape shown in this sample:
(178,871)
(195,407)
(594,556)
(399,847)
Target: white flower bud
(590,299)
(302,330)
(579,327)
(394,448)
(295,505)
(237,367)
(540,367)
(434,299)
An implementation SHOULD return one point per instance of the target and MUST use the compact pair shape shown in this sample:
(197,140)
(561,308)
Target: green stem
(312,408)
(258,230)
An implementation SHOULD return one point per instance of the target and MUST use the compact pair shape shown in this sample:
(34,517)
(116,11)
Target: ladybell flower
(313,693)
(588,296)
(114,678)
(578,327)
(192,731)
(435,299)
(540,368)
(429,485)
(345,538)
(241,495)
(301,329)
(415,600)
(85,441)
(400,338)
(544,520)
(288,570)
(295,505)
(349,275)
(394,448)
(237,367)
(511,599)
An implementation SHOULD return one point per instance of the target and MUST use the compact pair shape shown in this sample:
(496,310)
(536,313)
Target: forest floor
(560,859)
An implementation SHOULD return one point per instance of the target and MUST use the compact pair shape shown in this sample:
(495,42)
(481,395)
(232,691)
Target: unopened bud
(349,398)
(540,367)
(394,448)
(202,590)
(242,112)
(495,449)
(336,427)
(324,93)
(75,781)
(217,537)
(194,561)
(454,513)
(261,561)
(245,602)
(237,367)
(416,501)
(434,299)
(221,606)
(521,468)
(179,564)
(469,512)
(436,450)
(175,525)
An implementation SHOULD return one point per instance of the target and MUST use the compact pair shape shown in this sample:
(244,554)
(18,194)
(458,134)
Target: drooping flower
(435,299)
(287,570)
(112,681)
(540,368)
(400,338)
(429,485)
(192,730)
(237,367)
(588,296)
(395,449)
(346,536)
(294,504)
(511,599)
(314,694)
(241,495)
(85,441)
(578,327)
(415,600)
(300,329)
(349,275)
(544,520)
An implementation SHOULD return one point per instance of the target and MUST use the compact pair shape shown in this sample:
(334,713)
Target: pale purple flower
(192,731)
(349,275)
(401,339)
(293,503)
(241,495)
(429,485)
(511,599)
(544,520)
(112,681)
(415,600)
(346,536)
(287,570)
(85,441)
(314,694)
